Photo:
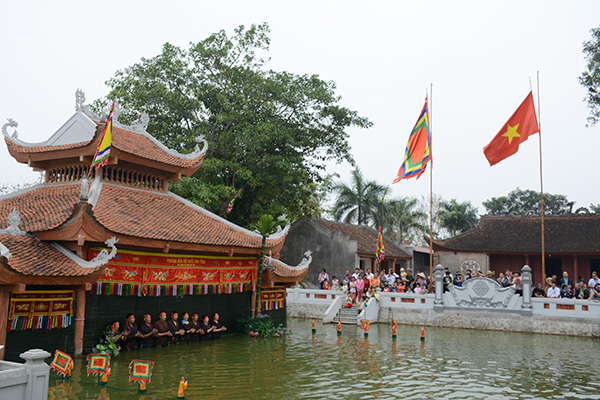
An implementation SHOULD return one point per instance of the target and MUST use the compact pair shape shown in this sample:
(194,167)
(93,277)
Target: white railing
(312,296)
(333,309)
(566,307)
(407,300)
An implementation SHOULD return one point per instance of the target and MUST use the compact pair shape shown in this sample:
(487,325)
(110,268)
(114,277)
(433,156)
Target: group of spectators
(365,283)
(566,288)
(362,283)
(164,332)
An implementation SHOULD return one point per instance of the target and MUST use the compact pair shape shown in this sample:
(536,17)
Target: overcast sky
(382,55)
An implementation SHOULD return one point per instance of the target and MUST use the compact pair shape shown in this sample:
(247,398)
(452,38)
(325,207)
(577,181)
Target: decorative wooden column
(4,300)
(79,321)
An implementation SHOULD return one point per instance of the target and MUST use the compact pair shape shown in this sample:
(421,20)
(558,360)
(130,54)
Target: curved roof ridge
(213,215)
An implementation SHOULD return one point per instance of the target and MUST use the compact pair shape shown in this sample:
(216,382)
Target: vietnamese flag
(522,124)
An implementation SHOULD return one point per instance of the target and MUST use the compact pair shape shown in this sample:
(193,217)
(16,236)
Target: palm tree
(402,218)
(360,202)
(265,226)
(458,217)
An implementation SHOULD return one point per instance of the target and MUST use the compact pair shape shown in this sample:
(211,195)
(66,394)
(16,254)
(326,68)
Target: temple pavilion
(84,248)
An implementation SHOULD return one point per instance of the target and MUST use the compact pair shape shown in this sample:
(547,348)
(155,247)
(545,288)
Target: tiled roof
(30,256)
(562,234)
(143,146)
(164,217)
(43,149)
(41,208)
(134,143)
(366,238)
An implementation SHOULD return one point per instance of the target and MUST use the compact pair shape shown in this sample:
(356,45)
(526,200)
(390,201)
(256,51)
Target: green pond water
(450,364)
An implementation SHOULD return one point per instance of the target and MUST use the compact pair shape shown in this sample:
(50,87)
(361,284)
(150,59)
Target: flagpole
(541,182)
(430,184)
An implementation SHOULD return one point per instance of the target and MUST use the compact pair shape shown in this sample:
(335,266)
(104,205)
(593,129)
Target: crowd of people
(165,331)
(361,285)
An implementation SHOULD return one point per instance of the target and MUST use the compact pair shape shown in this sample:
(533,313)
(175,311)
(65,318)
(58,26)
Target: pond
(450,364)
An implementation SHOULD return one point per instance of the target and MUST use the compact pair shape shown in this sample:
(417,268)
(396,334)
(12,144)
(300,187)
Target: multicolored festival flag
(364,325)
(380,247)
(230,206)
(140,371)
(98,364)
(418,148)
(103,150)
(62,363)
(522,124)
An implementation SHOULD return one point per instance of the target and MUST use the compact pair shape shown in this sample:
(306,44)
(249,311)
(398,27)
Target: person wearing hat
(409,278)
(146,332)
(490,274)
(162,333)
(421,280)
(129,334)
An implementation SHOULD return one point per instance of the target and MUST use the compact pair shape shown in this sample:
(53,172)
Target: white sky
(383,55)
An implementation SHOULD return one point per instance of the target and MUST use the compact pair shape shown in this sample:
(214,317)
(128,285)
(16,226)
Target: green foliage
(360,202)
(401,220)
(107,345)
(266,225)
(458,217)
(263,326)
(269,132)
(590,79)
(595,208)
(522,201)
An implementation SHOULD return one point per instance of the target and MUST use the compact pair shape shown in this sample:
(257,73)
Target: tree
(265,226)
(458,217)
(402,221)
(590,79)
(269,132)
(522,201)
(360,202)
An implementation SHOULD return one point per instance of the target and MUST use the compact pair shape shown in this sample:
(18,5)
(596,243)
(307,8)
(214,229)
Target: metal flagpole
(430,184)
(541,182)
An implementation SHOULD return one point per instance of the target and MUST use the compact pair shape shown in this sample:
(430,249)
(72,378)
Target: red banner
(272,299)
(159,274)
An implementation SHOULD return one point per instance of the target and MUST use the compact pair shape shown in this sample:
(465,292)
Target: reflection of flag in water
(380,247)
(104,146)
(230,206)
(418,148)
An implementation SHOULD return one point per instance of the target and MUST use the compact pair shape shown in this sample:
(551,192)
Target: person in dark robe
(146,332)
(217,327)
(187,328)
(195,325)
(162,334)
(129,333)
(174,327)
(115,332)
(206,329)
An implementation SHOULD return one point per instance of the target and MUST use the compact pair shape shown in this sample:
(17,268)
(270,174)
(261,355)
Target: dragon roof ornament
(305,263)
(101,259)
(14,220)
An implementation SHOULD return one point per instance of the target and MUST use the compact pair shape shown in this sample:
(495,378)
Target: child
(417,288)
(395,287)
(408,290)
(353,289)
(363,304)
(348,301)
(335,283)
(325,285)
(401,288)
(345,287)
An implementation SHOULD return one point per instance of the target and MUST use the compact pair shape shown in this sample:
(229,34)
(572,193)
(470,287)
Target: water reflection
(450,364)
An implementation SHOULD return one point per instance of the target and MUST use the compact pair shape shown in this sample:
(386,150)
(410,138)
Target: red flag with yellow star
(522,124)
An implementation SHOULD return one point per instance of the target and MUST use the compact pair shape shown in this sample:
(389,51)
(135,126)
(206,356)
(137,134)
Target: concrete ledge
(493,321)
(306,310)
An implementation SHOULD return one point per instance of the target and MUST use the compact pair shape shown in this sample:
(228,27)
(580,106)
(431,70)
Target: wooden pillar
(253,302)
(4,304)
(575,268)
(79,321)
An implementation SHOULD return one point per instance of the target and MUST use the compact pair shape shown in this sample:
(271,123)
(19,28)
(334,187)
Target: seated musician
(174,327)
(129,334)
(187,328)
(217,327)
(206,329)
(146,332)
(195,325)
(162,334)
